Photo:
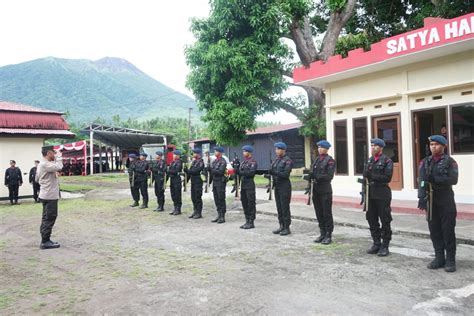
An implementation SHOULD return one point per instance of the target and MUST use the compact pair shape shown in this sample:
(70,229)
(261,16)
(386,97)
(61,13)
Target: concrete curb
(394,231)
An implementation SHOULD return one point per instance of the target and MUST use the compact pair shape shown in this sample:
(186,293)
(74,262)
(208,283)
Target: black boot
(221,219)
(144,205)
(197,215)
(173,211)
(327,239)
(134,204)
(375,247)
(49,245)
(215,220)
(438,262)
(450,262)
(286,230)
(160,208)
(192,215)
(249,224)
(321,237)
(244,225)
(383,251)
(278,230)
(177,211)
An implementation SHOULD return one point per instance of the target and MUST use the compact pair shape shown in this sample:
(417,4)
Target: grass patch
(68,187)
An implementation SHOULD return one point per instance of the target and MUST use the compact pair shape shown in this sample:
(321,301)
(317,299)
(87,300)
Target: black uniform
(280,170)
(174,172)
(379,173)
(158,169)
(133,187)
(13,180)
(247,170)
(322,173)
(141,170)
(219,179)
(442,173)
(194,172)
(36,185)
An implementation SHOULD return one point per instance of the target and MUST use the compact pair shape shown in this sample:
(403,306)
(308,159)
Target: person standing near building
(158,168)
(378,172)
(247,171)
(174,170)
(46,176)
(321,174)
(36,186)
(438,173)
(13,180)
(132,174)
(280,170)
(141,178)
(219,180)
(194,172)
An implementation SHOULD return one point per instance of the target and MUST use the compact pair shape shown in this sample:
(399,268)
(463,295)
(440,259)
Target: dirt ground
(115,260)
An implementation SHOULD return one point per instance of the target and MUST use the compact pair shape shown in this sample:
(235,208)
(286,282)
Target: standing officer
(280,171)
(197,166)
(36,186)
(141,178)
(322,173)
(174,171)
(378,171)
(159,174)
(132,177)
(219,179)
(438,173)
(13,180)
(247,192)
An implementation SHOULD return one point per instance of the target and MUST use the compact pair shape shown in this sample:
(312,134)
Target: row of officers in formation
(438,173)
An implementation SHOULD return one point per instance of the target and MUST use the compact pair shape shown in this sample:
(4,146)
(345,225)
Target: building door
(388,129)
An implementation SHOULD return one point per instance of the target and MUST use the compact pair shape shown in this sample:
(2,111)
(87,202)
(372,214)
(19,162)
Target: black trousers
(196,196)
(218,191)
(248,199)
(160,191)
(50,213)
(282,199)
(380,210)
(36,189)
(135,192)
(322,203)
(143,187)
(443,222)
(175,188)
(13,192)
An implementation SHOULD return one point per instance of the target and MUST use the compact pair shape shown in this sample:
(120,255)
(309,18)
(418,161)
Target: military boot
(160,208)
(49,245)
(286,230)
(192,215)
(173,211)
(321,236)
(438,262)
(327,239)
(144,205)
(197,215)
(177,211)
(221,219)
(278,230)
(249,224)
(245,224)
(383,251)
(215,220)
(450,262)
(135,203)
(375,247)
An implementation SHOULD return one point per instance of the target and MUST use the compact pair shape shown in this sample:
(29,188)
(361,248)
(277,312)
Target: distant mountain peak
(115,64)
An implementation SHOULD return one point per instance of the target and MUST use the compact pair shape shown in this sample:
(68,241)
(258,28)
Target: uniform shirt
(197,166)
(441,171)
(379,171)
(281,168)
(322,173)
(47,178)
(176,167)
(141,170)
(218,169)
(158,167)
(247,170)
(13,176)
(32,174)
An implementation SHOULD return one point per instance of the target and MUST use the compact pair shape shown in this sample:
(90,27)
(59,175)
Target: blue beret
(378,142)
(219,149)
(159,152)
(177,152)
(248,148)
(280,145)
(132,156)
(144,154)
(324,144)
(197,151)
(439,139)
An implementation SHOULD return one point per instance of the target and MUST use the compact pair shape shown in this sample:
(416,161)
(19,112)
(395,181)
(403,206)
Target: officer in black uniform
(439,172)
(378,171)
(219,180)
(13,180)
(280,171)
(247,170)
(142,170)
(194,172)
(131,177)
(36,186)
(158,168)
(321,174)
(175,169)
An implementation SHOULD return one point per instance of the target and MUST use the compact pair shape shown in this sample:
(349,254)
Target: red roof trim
(36,132)
(18,107)
(437,32)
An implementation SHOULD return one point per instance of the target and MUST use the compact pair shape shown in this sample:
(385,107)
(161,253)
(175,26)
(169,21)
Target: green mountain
(89,89)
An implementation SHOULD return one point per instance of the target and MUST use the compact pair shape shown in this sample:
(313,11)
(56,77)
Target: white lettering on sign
(429,36)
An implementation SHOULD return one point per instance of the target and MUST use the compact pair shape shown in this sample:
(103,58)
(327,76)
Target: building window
(462,128)
(340,137)
(360,144)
